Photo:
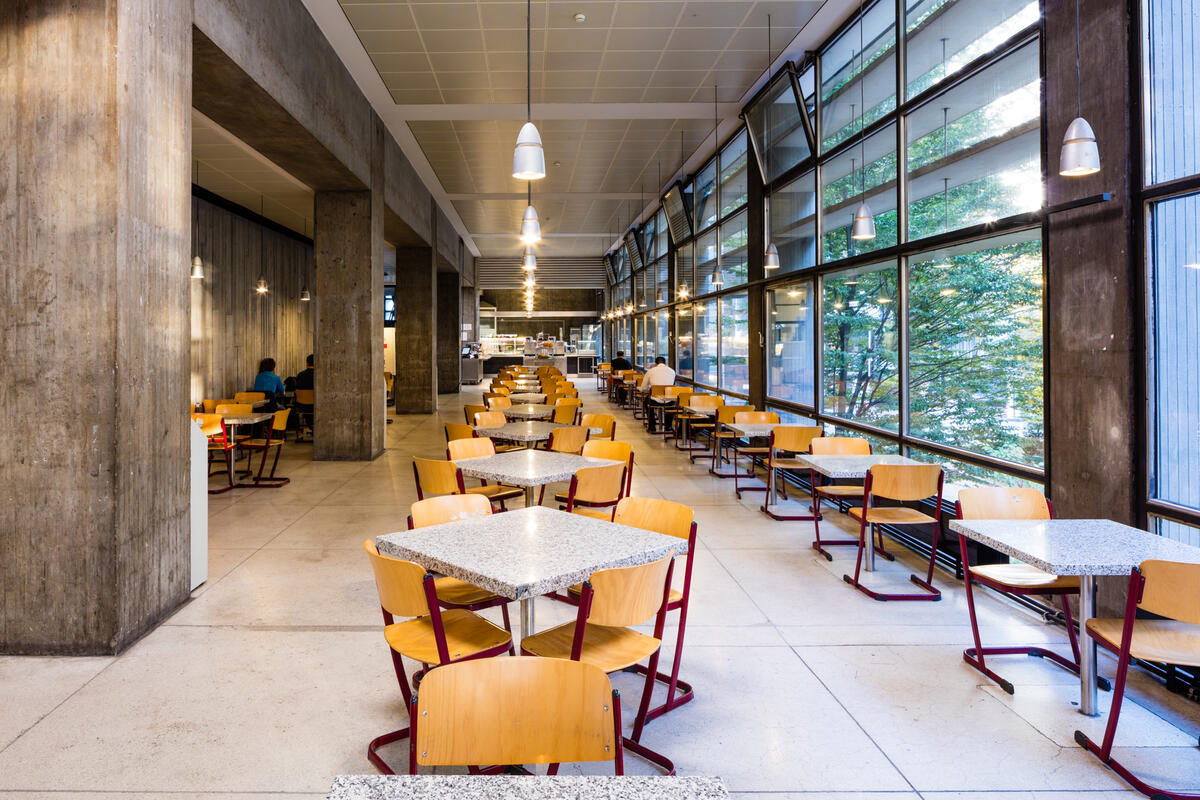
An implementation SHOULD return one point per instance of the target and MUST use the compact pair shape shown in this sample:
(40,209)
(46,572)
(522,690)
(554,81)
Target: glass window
(787,417)
(706,262)
(706,342)
(854,79)
(793,223)
(649,286)
(975,347)
(860,375)
(961,475)
(661,234)
(649,338)
(639,344)
(1175,530)
(974,153)
(663,342)
(845,184)
(623,335)
(683,341)
(733,174)
(945,35)
(778,131)
(1173,249)
(662,289)
(706,195)
(733,250)
(735,343)
(1173,115)
(683,273)
(790,343)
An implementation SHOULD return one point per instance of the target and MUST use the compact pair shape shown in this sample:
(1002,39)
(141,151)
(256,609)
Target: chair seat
(726,435)
(787,463)
(610,649)
(1163,640)
(1023,576)
(260,443)
(466,635)
(840,491)
(893,516)
(452,591)
(495,492)
(753,450)
(219,446)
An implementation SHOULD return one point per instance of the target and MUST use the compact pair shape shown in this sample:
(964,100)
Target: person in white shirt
(658,375)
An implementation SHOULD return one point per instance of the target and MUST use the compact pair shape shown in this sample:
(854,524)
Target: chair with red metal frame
(274,439)
(607,424)
(489,419)
(904,483)
(1170,591)
(568,439)
(501,390)
(431,636)
(692,422)
(508,712)
(613,451)
(683,395)
(611,603)
(469,411)
(595,491)
(213,427)
(476,447)
(451,592)
(838,493)
(750,418)
(496,402)
(565,414)
(995,502)
(249,397)
(444,477)
(719,437)
(787,439)
(458,430)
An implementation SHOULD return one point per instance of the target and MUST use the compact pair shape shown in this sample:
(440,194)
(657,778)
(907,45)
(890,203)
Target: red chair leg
(631,743)
(857,584)
(396,735)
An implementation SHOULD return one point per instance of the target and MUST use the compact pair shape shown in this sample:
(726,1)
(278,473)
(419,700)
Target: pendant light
(197,269)
(771,259)
(529,162)
(261,287)
(529,262)
(305,296)
(531,229)
(863,228)
(1080,154)
(683,291)
(771,256)
(660,297)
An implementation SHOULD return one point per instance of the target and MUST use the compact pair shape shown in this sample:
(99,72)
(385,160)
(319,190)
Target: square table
(1083,547)
(528,468)
(232,421)
(528,411)
(528,552)
(524,432)
(525,787)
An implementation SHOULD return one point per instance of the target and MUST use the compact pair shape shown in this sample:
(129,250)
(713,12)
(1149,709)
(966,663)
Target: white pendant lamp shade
(864,223)
(771,259)
(197,269)
(305,296)
(529,162)
(531,229)
(1080,154)
(529,262)
(717,280)
(261,287)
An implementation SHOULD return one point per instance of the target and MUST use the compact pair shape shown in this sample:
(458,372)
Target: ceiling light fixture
(863,227)
(660,297)
(197,268)
(305,296)
(529,261)
(683,291)
(1080,154)
(531,229)
(529,162)
(580,17)
(261,287)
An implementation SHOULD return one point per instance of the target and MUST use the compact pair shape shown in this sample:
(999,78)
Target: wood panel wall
(233,327)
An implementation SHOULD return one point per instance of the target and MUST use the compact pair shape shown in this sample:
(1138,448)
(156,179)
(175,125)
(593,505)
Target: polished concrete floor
(275,675)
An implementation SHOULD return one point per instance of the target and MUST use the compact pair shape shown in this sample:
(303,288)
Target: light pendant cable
(529,161)
(1080,154)
(863,227)
(716,280)
(771,256)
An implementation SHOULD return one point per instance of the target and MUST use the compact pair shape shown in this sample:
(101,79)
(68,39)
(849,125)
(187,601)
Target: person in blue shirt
(267,381)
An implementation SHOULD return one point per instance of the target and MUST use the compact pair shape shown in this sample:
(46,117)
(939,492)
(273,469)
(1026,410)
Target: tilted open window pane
(706,195)
(790,343)
(1173,113)
(706,342)
(842,190)
(860,370)
(733,250)
(735,343)
(778,131)
(854,80)
(974,153)
(684,345)
(733,174)
(793,223)
(975,347)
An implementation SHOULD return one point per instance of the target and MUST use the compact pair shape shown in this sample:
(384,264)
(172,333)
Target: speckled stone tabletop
(707,411)
(522,787)
(521,431)
(752,429)
(849,466)
(1075,546)
(662,400)
(528,467)
(528,411)
(527,397)
(528,552)
(243,419)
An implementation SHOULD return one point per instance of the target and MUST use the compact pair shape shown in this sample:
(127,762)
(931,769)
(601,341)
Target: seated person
(658,375)
(304,379)
(268,382)
(621,362)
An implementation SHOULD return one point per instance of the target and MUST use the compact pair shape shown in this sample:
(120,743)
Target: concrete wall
(547,299)
(449,312)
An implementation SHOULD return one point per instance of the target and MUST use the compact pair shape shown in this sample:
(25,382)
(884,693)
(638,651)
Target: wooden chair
(458,430)
(515,711)
(691,423)
(565,414)
(469,411)
(213,427)
(1171,592)
(720,437)
(497,402)
(431,636)
(840,494)
(751,450)
(249,397)
(683,396)
(272,441)
(787,439)
(210,404)
(613,451)
(1021,579)
(904,483)
(566,390)
(477,447)
(451,592)
(435,477)
(305,401)
(234,409)
(611,602)
(502,390)
(595,488)
(600,370)
(607,424)
(490,419)
(568,439)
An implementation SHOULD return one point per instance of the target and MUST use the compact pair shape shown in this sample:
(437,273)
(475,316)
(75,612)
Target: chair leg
(396,735)
(631,743)
(975,655)
(686,693)
(857,584)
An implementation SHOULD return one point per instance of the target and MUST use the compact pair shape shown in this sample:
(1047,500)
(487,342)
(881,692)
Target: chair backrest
(448,508)
(794,438)
(569,439)
(458,430)
(1002,502)
(210,405)
(235,409)
(626,596)
(905,482)
(279,422)
(756,418)
(490,419)
(652,514)
(606,365)
(607,423)
(707,401)
(469,411)
(471,448)
(400,583)
(210,424)
(435,477)
(598,485)
(500,390)
(675,391)
(659,391)
(726,414)
(1172,589)
(566,391)
(249,397)
(499,402)
(510,385)
(565,414)
(551,397)
(306,397)
(521,710)
(606,448)
(568,401)
(840,446)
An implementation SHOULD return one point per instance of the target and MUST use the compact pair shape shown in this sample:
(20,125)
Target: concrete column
(416,327)
(756,245)
(349,420)
(449,315)
(94,479)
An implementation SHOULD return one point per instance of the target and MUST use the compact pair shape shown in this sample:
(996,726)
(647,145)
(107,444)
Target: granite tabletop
(246,419)
(527,411)
(528,467)
(849,466)
(1075,546)
(706,411)
(530,551)
(662,400)
(752,429)
(520,431)
(527,397)
(524,787)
